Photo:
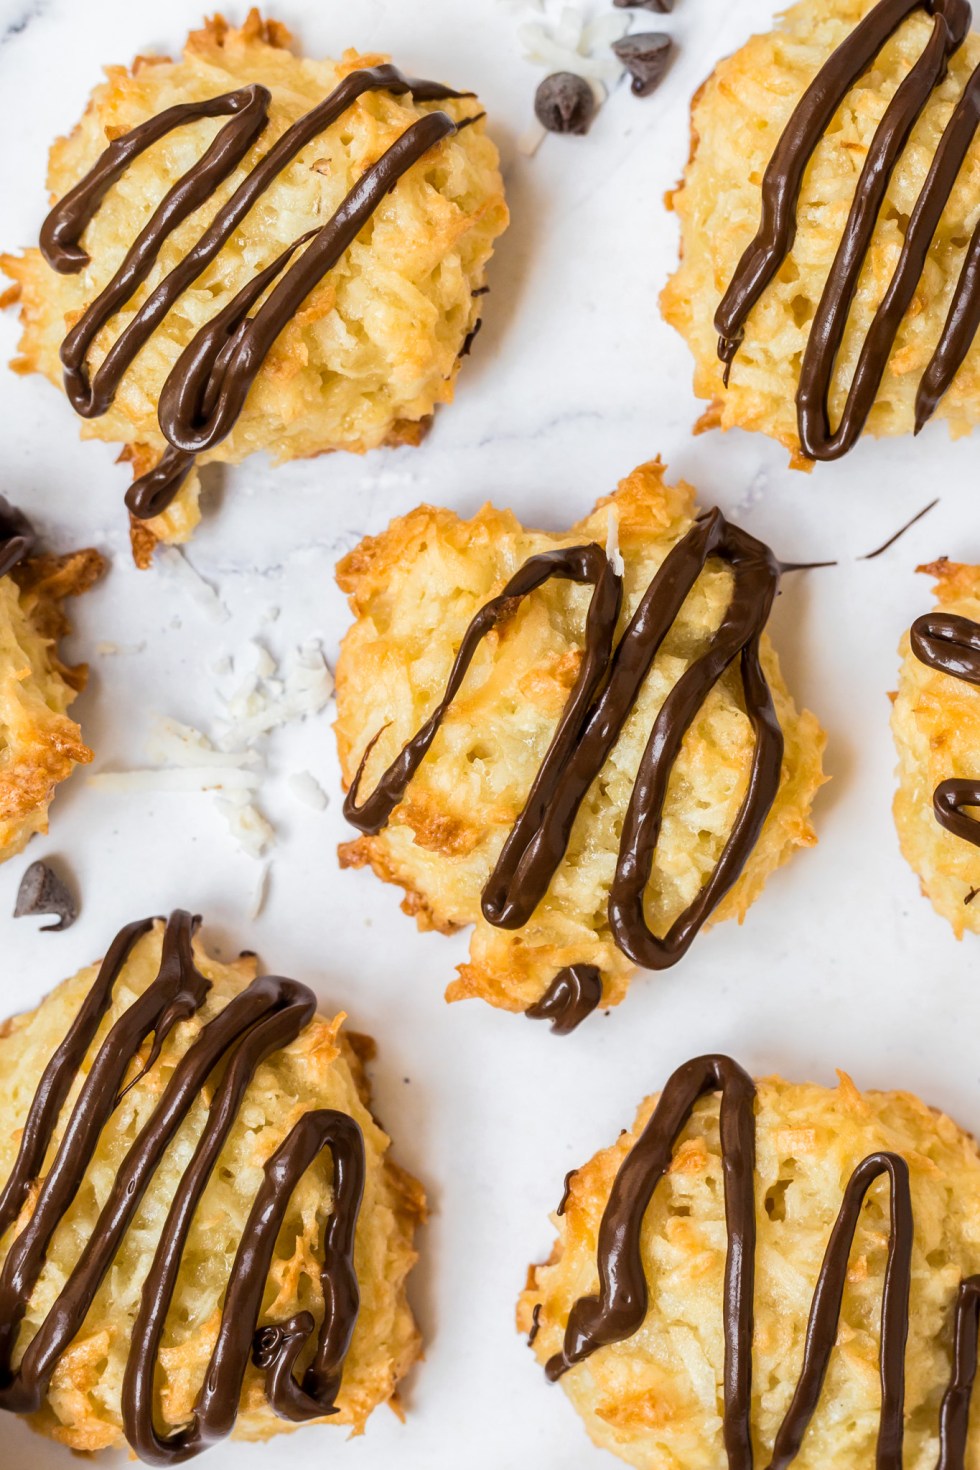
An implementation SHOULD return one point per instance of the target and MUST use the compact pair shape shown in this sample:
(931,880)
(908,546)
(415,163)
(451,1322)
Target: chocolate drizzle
(619,1308)
(17,537)
(573,995)
(609,682)
(206,389)
(781,187)
(266,1016)
(950,644)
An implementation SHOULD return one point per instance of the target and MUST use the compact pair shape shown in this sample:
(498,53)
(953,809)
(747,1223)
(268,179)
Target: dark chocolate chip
(662,7)
(43,891)
(645,57)
(564,103)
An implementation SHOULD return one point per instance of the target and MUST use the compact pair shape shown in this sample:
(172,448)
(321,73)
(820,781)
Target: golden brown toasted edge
(39,744)
(935,721)
(654,1399)
(433,852)
(325,1066)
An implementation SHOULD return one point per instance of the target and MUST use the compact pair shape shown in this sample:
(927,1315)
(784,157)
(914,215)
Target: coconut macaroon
(413,591)
(40,745)
(377,342)
(318,1074)
(655,1395)
(936,725)
(738,117)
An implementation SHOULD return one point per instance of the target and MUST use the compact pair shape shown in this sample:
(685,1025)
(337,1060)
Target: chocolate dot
(645,57)
(662,7)
(564,103)
(43,891)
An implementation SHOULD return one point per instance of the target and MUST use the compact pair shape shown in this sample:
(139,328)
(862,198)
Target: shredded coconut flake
(186,778)
(229,763)
(560,38)
(613,553)
(307,789)
(531,139)
(261,704)
(261,891)
(246,823)
(111,649)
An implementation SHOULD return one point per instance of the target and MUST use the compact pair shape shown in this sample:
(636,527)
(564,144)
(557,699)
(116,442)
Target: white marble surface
(572,382)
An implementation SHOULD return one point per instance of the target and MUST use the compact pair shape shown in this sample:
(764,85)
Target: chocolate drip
(263,1018)
(573,995)
(17,537)
(608,686)
(781,187)
(951,645)
(206,389)
(897,535)
(954,1415)
(620,1307)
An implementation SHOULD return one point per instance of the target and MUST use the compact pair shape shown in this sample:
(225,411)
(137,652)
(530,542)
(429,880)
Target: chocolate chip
(662,7)
(645,57)
(564,103)
(43,891)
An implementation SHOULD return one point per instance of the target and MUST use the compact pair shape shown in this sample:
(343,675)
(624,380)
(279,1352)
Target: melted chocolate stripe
(780,197)
(607,688)
(950,644)
(954,1414)
(828,1297)
(259,1021)
(56,1081)
(618,1310)
(829,323)
(206,390)
(783,177)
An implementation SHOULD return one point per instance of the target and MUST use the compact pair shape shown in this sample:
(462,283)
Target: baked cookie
(271,253)
(830,254)
(936,724)
(208,1234)
(715,1294)
(615,759)
(39,745)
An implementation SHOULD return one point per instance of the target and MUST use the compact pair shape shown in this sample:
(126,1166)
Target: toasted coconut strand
(413,591)
(655,1399)
(39,745)
(936,724)
(374,348)
(737,118)
(323,1068)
